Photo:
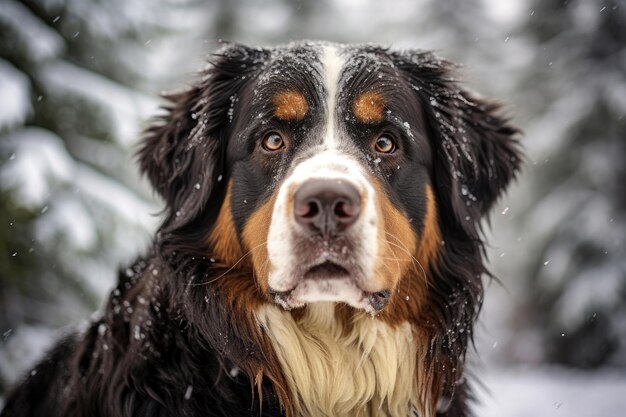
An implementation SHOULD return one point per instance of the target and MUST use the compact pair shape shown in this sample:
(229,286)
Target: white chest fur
(367,371)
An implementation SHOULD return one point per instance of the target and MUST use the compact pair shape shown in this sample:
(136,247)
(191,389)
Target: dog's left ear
(476,145)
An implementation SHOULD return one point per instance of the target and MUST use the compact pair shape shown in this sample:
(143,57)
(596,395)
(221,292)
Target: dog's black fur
(164,347)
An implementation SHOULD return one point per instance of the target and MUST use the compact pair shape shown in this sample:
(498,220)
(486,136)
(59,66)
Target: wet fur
(179,335)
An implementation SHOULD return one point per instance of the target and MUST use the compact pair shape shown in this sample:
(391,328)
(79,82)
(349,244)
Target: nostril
(314,209)
(345,210)
(307,210)
(340,209)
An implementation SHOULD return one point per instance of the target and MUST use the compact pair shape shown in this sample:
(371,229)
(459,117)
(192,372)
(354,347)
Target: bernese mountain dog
(321,252)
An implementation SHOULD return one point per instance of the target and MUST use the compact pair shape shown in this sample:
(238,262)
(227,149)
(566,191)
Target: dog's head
(335,173)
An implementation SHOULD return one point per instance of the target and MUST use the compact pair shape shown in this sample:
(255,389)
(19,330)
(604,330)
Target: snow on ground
(547,392)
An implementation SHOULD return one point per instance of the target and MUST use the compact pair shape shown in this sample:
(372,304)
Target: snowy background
(80,78)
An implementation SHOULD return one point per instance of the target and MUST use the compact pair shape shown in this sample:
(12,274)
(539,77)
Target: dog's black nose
(327,207)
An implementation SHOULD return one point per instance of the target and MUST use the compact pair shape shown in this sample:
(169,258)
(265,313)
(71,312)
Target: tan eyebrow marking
(369,107)
(290,105)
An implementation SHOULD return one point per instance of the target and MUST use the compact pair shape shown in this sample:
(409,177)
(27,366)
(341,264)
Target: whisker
(256,281)
(395,258)
(413,259)
(405,249)
(231,268)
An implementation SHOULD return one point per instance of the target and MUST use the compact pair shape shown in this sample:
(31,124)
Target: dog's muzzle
(327,230)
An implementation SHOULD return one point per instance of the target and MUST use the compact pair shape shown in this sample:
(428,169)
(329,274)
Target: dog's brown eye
(384,144)
(273,142)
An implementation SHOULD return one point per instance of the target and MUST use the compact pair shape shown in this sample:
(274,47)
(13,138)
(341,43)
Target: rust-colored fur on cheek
(431,235)
(408,259)
(396,241)
(255,239)
(223,238)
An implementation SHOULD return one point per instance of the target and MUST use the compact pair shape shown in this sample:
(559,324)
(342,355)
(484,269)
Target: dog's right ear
(163,147)
(184,150)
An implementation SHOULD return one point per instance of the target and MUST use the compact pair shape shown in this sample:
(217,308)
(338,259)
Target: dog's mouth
(327,270)
(330,281)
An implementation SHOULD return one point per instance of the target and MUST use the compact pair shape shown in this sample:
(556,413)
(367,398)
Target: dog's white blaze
(333,64)
(327,164)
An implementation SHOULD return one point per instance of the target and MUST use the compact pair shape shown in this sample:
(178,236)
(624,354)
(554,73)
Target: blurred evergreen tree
(72,206)
(574,222)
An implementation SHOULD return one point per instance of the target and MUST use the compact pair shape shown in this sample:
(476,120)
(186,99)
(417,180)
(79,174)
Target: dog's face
(330,177)
(325,168)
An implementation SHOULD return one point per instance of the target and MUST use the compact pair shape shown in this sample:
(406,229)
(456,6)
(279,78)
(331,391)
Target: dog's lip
(375,300)
(321,269)
(327,270)
(324,268)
